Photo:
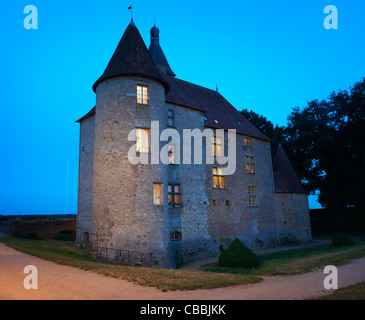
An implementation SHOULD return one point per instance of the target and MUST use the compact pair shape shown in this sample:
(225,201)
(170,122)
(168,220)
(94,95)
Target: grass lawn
(165,279)
(296,261)
(210,276)
(354,292)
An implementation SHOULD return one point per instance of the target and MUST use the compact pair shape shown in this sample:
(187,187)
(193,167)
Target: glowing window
(174,195)
(217,147)
(171,154)
(250,164)
(219,179)
(142,94)
(142,140)
(157,194)
(248,142)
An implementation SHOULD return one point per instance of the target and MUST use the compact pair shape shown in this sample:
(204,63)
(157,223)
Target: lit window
(142,140)
(170,118)
(217,147)
(142,94)
(157,194)
(250,164)
(171,154)
(174,195)
(214,202)
(248,142)
(175,236)
(252,196)
(219,179)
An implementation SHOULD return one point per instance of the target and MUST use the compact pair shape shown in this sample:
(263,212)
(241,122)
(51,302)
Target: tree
(274,132)
(325,142)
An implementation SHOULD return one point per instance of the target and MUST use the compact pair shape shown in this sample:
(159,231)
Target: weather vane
(131,8)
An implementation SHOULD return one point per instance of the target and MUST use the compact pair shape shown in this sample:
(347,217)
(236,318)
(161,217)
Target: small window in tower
(171,154)
(157,194)
(142,94)
(170,118)
(214,202)
(142,140)
(228,203)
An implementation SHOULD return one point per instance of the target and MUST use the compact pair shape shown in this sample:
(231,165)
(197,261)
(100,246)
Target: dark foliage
(238,256)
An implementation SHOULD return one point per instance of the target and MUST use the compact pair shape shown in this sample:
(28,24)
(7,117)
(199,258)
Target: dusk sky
(266,56)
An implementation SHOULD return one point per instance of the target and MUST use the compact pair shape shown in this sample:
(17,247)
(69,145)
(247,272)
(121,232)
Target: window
(174,195)
(250,164)
(248,142)
(142,94)
(171,154)
(214,202)
(219,179)
(157,194)
(228,203)
(252,196)
(217,147)
(170,118)
(175,236)
(142,140)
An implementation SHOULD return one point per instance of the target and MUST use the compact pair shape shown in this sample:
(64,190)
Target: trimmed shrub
(238,256)
(342,240)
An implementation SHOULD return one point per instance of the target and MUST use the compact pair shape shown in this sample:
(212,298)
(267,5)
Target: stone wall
(254,225)
(85,192)
(124,216)
(293,217)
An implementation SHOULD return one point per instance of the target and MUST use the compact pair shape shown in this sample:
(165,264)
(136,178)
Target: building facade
(164,213)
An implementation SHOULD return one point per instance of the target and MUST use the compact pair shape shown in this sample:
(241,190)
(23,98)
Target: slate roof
(220,114)
(285,178)
(131,57)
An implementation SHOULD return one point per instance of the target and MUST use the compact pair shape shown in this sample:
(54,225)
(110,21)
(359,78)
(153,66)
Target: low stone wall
(44,230)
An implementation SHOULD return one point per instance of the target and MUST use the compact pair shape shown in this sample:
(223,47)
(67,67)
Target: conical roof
(156,51)
(131,58)
(285,178)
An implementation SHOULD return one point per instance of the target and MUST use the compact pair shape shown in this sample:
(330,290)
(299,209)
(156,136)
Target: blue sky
(268,56)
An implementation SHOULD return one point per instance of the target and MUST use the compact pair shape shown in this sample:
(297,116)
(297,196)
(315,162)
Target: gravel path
(68,283)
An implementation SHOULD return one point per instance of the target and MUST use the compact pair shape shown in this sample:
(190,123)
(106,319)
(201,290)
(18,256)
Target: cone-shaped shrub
(342,240)
(238,255)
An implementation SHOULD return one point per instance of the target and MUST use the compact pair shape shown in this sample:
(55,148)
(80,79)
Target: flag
(130,8)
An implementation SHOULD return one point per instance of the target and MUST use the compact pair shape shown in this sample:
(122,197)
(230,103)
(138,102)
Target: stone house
(167,214)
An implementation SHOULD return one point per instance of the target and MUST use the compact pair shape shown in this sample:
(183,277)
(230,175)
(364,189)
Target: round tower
(129,224)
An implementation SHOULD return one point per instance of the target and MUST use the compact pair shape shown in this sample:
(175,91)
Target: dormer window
(142,94)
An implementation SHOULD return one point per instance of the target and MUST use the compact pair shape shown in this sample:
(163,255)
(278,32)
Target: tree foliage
(325,142)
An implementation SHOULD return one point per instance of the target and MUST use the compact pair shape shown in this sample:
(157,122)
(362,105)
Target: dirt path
(68,283)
